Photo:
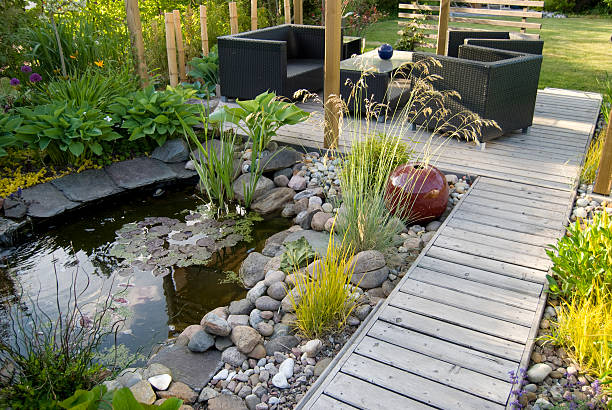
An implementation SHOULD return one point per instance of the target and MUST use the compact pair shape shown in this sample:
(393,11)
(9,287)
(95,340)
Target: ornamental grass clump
(324,300)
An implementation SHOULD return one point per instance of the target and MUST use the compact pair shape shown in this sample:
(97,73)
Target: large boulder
(273,200)
(200,342)
(252,269)
(280,159)
(317,240)
(215,325)
(369,269)
(245,338)
(242,182)
(319,220)
(173,150)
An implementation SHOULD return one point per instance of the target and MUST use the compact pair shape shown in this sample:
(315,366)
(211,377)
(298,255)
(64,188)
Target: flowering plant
(360,15)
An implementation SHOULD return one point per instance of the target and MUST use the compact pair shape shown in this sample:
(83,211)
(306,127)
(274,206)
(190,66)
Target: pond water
(155,307)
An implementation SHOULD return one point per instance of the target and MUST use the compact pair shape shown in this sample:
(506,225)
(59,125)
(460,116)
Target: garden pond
(184,274)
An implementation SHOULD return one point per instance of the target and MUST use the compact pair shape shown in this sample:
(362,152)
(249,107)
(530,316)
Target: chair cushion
(297,67)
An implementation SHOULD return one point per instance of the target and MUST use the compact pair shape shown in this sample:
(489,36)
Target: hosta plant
(100,398)
(207,69)
(8,125)
(154,114)
(298,254)
(65,132)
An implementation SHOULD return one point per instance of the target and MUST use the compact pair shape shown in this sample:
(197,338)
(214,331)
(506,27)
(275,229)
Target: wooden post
(287,12)
(233,13)
(179,44)
(204,30)
(298,12)
(443,26)
(171,49)
(253,14)
(333,10)
(135,29)
(604,175)
(524,20)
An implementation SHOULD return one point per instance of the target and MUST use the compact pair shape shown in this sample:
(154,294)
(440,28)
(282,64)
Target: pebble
(538,372)
(280,381)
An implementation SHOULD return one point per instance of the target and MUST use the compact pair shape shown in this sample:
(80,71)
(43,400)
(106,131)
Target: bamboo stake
(135,28)
(298,12)
(171,49)
(179,44)
(204,30)
(604,175)
(287,12)
(332,72)
(443,27)
(233,12)
(253,14)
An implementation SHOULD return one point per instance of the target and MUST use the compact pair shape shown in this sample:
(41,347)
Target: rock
(414,243)
(190,165)
(451,178)
(252,269)
(206,394)
(173,150)
(542,404)
(193,369)
(273,200)
(304,219)
(369,269)
(531,388)
(286,367)
(352,321)
(139,172)
(233,356)
(280,381)
(288,210)
(190,331)
(280,344)
(273,264)
(281,159)
(427,236)
(265,329)
(200,342)
(258,352)
(251,401)
(297,183)
(362,311)
(112,385)
(319,220)
(9,230)
(256,291)
(245,338)
(388,287)
(226,402)
(582,202)
(433,226)
(45,201)
(161,381)
(274,276)
(180,391)
(281,181)
(327,207)
(143,393)
(312,347)
(317,240)
(314,203)
(267,303)
(321,366)
(538,372)
(255,318)
(263,185)
(329,224)
(129,377)
(278,291)
(88,185)
(222,375)
(215,325)
(580,212)
(287,302)
(300,205)
(15,208)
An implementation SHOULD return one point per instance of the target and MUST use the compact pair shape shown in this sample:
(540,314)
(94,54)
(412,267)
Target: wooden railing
(426,14)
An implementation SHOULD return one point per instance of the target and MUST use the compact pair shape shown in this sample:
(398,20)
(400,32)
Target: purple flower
(15,82)
(35,77)
(26,69)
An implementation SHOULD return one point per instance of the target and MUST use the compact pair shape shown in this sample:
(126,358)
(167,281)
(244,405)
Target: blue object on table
(385,51)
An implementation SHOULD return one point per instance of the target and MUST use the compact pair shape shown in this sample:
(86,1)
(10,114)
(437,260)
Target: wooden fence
(426,13)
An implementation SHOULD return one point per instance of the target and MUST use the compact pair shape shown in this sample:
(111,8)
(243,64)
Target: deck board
(466,313)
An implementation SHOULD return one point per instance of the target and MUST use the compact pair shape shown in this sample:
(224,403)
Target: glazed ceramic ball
(385,51)
(417,193)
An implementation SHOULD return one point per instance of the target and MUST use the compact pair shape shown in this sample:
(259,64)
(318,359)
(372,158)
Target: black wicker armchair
(496,84)
(502,40)
(282,59)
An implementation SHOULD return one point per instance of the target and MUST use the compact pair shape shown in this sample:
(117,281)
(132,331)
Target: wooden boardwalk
(466,313)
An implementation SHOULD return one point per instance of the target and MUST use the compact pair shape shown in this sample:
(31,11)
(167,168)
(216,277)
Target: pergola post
(233,15)
(298,12)
(179,45)
(253,14)
(333,10)
(287,4)
(604,175)
(443,27)
(171,49)
(204,30)
(135,29)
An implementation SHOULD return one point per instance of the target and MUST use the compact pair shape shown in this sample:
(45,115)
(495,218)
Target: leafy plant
(154,114)
(582,259)
(411,36)
(121,399)
(66,132)
(325,299)
(8,125)
(206,68)
(297,254)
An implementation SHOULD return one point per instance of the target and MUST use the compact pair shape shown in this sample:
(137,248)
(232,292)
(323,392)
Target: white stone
(580,212)
(286,368)
(538,372)
(582,202)
(280,381)
(451,178)
(327,207)
(190,165)
(222,375)
(161,381)
(312,347)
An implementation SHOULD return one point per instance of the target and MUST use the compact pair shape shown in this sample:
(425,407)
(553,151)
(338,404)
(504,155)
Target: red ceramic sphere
(417,193)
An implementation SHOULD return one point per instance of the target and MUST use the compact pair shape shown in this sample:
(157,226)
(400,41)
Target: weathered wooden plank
(461,317)
(524,3)
(478,361)
(326,402)
(485,263)
(437,370)
(525,238)
(562,196)
(488,239)
(481,276)
(467,302)
(365,395)
(532,195)
(525,209)
(476,289)
(413,386)
(491,252)
(555,225)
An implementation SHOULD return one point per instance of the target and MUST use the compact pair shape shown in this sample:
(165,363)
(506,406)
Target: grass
(577,50)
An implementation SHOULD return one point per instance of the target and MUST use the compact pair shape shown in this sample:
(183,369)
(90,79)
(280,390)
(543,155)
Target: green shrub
(154,114)
(207,69)
(582,259)
(66,132)
(100,398)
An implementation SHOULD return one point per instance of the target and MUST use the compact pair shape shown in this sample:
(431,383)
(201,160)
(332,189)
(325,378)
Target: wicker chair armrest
(521,46)
(457,38)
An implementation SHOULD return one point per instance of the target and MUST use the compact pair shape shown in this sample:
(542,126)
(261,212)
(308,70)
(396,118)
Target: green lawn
(577,50)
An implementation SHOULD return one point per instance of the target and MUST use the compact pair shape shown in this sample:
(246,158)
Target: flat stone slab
(8,230)
(45,201)
(87,186)
(193,369)
(317,240)
(181,173)
(283,158)
(139,172)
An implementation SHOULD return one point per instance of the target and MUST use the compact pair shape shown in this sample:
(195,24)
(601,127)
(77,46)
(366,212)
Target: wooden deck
(466,313)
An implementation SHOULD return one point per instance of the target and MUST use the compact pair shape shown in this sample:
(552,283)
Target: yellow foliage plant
(324,299)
